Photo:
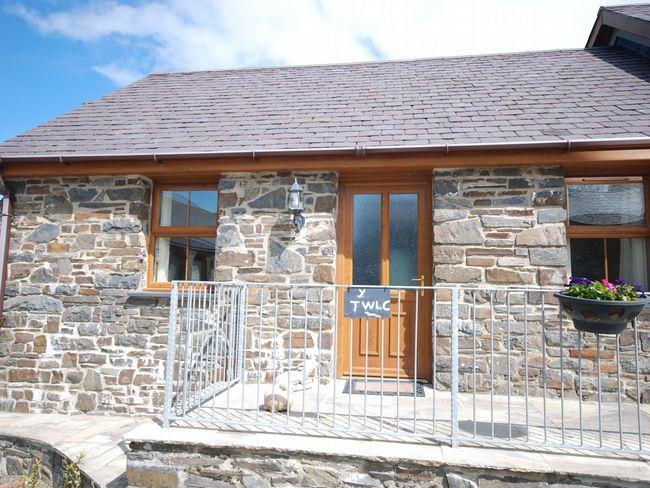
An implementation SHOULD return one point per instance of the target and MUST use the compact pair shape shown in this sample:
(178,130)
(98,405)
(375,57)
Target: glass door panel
(403,239)
(366,254)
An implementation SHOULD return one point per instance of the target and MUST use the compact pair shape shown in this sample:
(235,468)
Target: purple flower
(575,280)
(619,282)
(639,288)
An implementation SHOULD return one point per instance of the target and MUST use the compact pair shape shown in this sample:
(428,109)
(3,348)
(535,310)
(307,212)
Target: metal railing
(500,366)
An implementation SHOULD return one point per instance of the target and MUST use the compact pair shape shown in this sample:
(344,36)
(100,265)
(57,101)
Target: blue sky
(57,54)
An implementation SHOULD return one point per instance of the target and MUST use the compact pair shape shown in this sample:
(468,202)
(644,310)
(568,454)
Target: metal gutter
(357,150)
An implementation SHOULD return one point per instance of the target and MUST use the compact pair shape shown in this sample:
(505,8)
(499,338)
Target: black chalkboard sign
(360,303)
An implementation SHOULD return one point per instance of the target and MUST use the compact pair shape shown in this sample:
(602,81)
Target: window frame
(158,231)
(605,231)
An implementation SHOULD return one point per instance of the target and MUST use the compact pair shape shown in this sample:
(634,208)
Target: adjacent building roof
(631,19)
(639,11)
(593,93)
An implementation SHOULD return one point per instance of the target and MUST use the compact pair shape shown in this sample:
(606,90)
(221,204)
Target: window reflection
(403,244)
(366,239)
(182,208)
(203,207)
(173,207)
(607,204)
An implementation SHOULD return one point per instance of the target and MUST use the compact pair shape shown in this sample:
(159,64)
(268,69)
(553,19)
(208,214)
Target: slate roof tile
(550,95)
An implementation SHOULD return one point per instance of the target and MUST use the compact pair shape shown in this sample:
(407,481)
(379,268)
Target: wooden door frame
(421,183)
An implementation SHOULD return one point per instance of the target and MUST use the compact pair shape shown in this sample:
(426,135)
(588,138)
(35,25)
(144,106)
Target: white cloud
(202,34)
(118,74)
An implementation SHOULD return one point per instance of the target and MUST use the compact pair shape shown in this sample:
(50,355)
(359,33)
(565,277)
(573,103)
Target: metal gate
(205,344)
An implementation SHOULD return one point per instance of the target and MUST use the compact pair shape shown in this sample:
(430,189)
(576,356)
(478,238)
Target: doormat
(374,387)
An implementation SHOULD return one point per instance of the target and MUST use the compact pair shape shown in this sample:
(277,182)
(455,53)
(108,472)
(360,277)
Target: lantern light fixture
(297,205)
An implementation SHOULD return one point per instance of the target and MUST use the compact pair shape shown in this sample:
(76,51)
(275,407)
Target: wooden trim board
(576,162)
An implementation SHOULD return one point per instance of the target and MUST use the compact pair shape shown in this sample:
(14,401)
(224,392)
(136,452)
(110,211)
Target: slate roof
(594,93)
(637,11)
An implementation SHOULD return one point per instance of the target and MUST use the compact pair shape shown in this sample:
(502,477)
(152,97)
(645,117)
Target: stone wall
(256,243)
(255,239)
(18,458)
(505,227)
(501,226)
(168,465)
(73,339)
(76,339)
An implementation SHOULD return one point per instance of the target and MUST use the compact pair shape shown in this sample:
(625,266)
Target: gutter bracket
(61,161)
(254,156)
(568,146)
(445,151)
(359,150)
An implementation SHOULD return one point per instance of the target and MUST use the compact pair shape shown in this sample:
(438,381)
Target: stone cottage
(496,170)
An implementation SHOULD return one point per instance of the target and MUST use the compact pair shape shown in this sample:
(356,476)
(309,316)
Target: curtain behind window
(634,262)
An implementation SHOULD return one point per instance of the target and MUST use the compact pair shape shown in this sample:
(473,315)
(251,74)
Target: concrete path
(100,438)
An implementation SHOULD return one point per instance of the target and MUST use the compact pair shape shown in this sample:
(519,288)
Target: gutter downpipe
(6,217)
(358,150)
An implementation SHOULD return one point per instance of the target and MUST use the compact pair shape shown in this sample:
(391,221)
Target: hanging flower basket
(601,307)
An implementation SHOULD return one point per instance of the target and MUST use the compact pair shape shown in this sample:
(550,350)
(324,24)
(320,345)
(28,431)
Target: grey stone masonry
(173,465)
(73,339)
(255,239)
(500,226)
(21,459)
(504,227)
(256,243)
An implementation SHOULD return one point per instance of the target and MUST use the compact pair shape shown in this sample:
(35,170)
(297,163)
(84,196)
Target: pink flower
(609,286)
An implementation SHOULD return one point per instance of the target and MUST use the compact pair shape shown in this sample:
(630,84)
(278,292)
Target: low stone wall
(17,458)
(164,465)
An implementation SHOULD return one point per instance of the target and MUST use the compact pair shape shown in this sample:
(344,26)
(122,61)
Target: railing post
(454,366)
(171,345)
(242,322)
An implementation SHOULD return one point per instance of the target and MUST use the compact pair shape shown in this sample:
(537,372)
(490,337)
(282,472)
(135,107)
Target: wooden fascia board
(598,160)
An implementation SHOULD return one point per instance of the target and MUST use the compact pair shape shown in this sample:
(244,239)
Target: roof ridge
(358,63)
(627,5)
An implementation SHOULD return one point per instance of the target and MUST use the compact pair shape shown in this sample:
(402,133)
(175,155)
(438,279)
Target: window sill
(150,294)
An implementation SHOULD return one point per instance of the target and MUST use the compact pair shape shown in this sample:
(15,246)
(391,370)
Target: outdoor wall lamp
(297,205)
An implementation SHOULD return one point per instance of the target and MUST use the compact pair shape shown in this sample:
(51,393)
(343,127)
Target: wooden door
(384,239)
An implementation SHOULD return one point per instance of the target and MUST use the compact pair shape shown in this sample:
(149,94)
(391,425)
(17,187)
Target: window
(184,227)
(608,228)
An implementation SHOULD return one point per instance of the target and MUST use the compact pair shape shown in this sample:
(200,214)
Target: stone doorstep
(514,461)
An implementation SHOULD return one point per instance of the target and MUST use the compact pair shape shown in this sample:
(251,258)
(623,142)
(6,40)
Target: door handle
(420,280)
